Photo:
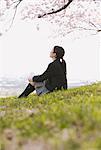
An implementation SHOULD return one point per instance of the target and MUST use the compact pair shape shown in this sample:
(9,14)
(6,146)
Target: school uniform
(54,78)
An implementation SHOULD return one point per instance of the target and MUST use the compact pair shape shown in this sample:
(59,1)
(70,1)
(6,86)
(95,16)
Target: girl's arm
(43,76)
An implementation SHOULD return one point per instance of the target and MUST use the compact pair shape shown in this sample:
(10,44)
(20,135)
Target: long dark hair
(60,52)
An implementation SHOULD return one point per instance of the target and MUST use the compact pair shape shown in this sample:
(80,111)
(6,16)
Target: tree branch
(56,11)
(97,29)
(93,24)
(16,6)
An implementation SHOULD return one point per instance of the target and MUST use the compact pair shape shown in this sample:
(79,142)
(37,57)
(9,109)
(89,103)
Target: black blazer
(54,76)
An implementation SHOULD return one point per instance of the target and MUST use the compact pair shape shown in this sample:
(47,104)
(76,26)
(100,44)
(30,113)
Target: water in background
(13,87)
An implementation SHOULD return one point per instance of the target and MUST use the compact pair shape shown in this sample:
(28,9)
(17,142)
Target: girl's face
(52,54)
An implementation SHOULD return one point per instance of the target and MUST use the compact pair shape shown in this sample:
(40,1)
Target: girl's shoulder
(52,64)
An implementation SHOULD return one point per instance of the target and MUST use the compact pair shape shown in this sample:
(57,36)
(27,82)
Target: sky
(24,51)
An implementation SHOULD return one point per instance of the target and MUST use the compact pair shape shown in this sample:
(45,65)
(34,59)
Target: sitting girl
(54,78)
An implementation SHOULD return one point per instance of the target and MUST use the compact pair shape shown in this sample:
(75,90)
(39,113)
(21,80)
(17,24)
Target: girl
(54,78)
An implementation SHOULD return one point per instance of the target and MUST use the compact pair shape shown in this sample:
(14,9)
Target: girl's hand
(31,82)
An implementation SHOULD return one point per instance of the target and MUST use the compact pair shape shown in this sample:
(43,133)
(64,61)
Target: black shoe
(29,89)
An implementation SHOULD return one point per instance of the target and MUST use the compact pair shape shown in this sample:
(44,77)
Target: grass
(62,120)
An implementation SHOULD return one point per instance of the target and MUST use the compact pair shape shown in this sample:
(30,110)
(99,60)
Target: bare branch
(12,19)
(99,30)
(56,11)
(84,28)
(93,24)
(18,3)
(16,6)
(13,3)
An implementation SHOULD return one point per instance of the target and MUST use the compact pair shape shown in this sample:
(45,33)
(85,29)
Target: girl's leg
(29,89)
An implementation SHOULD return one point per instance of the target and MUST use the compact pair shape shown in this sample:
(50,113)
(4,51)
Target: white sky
(24,50)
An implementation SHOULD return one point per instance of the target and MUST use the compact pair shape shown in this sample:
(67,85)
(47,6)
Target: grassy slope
(62,120)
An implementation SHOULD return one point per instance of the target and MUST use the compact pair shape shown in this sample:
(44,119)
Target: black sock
(29,89)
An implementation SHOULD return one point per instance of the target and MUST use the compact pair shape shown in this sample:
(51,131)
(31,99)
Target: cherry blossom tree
(67,16)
